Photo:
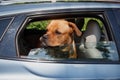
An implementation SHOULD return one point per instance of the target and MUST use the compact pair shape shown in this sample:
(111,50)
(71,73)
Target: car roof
(25,8)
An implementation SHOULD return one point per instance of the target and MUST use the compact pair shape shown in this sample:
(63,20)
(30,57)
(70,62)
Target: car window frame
(43,14)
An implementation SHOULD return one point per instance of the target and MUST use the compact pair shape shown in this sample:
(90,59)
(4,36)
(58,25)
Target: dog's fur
(60,33)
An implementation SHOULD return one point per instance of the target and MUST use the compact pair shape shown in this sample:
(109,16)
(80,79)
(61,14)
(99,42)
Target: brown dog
(60,33)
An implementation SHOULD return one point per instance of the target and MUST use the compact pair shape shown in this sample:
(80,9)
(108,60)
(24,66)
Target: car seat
(89,40)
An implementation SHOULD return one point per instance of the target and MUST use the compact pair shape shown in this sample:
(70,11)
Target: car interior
(95,43)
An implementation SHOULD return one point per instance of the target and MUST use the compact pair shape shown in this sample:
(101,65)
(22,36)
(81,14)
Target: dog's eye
(57,32)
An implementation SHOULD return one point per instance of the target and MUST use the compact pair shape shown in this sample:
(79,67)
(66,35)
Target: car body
(13,18)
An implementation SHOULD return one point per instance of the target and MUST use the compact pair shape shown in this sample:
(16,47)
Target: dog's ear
(75,28)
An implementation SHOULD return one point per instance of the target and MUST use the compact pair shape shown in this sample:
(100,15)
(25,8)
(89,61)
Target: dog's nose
(45,36)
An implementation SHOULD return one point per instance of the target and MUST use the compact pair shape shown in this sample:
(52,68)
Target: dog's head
(59,33)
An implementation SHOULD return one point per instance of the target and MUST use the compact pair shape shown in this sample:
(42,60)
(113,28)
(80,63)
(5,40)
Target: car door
(82,69)
(26,67)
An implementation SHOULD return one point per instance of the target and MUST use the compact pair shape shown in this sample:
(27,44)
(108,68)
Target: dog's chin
(43,44)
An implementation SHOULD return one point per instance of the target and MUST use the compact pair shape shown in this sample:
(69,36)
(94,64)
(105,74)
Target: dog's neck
(70,48)
(64,51)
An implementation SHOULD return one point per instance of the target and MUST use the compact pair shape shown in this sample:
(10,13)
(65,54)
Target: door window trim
(29,17)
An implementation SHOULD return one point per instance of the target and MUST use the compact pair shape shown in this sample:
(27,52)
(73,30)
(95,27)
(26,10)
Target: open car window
(96,41)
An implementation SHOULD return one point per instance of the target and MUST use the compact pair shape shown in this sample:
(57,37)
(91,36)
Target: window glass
(3,25)
(117,16)
(61,39)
